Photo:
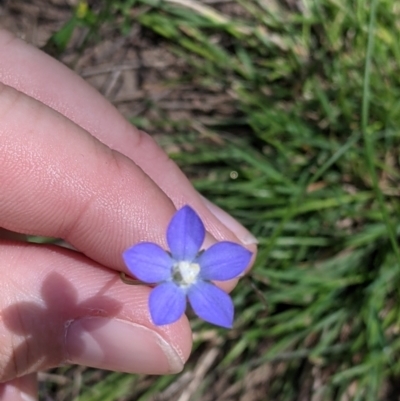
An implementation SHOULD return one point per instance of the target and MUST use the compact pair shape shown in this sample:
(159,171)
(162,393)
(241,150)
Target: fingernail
(120,346)
(20,389)
(26,397)
(245,236)
(15,395)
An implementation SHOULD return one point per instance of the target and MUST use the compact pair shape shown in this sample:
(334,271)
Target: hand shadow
(59,305)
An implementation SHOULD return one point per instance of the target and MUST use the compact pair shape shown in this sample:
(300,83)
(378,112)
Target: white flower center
(185,273)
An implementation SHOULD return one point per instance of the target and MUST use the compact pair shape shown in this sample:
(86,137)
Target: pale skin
(71,167)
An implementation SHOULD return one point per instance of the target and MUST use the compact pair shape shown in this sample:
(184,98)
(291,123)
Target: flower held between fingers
(186,272)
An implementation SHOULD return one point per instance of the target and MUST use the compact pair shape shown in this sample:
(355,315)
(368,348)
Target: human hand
(71,167)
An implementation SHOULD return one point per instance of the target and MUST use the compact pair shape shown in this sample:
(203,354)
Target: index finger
(39,76)
(59,181)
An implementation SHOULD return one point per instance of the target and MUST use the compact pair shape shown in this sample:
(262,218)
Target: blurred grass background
(287,115)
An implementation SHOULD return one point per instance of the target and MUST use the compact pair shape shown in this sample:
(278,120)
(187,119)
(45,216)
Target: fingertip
(72,310)
(123,346)
(243,235)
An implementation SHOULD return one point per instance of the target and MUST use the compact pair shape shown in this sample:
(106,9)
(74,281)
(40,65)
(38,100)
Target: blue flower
(186,272)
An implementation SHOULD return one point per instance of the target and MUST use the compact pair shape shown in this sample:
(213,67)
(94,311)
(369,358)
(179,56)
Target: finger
(20,389)
(70,310)
(36,74)
(59,181)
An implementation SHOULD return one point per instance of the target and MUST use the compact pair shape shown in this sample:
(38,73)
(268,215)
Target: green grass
(314,147)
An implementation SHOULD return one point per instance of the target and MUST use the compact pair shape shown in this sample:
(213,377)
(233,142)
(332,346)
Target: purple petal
(223,261)
(211,304)
(185,234)
(148,262)
(167,303)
